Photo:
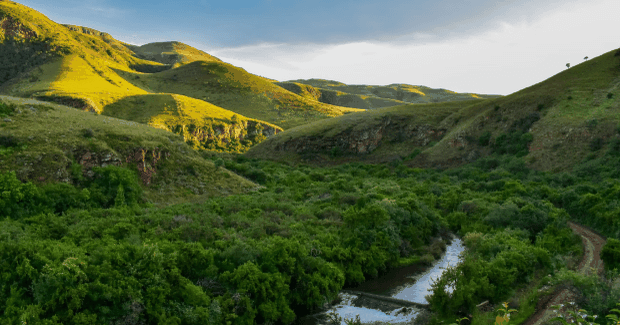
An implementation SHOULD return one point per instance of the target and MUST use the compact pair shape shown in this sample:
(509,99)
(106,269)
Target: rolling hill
(88,69)
(370,97)
(554,124)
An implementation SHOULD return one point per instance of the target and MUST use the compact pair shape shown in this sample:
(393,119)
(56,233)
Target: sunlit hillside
(88,69)
(369,96)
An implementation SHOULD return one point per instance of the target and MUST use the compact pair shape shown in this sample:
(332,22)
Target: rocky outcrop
(347,142)
(145,159)
(86,30)
(13,28)
(365,141)
(89,159)
(225,132)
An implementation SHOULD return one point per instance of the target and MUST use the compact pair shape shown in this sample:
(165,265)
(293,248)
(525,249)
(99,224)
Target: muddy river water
(408,284)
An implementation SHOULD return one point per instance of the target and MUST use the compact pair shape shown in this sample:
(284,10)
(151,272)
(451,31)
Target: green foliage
(289,246)
(596,294)
(610,254)
(6,109)
(269,290)
(610,95)
(530,217)
(485,138)
(88,133)
(514,143)
(596,144)
(115,185)
(16,198)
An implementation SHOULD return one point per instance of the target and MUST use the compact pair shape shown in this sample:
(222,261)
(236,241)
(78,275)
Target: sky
(478,46)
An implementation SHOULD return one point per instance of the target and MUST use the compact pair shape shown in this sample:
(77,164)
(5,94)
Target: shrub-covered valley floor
(97,252)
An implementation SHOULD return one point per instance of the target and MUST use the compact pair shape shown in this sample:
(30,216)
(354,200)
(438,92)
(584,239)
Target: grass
(340,98)
(51,137)
(172,53)
(404,116)
(235,89)
(95,72)
(394,93)
(562,132)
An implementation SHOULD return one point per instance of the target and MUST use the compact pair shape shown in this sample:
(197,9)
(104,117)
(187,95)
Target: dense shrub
(514,143)
(16,198)
(484,138)
(611,254)
(114,185)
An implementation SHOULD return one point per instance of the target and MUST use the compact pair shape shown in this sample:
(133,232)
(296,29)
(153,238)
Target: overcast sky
(480,46)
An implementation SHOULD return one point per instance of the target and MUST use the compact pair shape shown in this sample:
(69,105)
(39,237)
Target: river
(408,283)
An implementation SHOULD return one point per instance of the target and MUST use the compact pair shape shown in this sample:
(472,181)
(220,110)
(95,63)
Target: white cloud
(502,60)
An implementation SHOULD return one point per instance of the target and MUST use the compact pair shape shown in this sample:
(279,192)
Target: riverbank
(395,297)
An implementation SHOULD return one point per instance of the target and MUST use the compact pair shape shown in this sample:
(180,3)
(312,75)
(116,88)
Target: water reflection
(419,289)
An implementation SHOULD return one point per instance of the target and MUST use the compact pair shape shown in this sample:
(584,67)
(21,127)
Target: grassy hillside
(170,53)
(369,97)
(378,135)
(555,124)
(339,98)
(235,89)
(88,69)
(47,143)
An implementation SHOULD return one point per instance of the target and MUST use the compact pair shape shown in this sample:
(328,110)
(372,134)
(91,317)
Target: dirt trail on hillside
(590,262)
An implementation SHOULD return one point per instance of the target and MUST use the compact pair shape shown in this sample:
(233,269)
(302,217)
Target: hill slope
(88,69)
(555,124)
(369,97)
(44,142)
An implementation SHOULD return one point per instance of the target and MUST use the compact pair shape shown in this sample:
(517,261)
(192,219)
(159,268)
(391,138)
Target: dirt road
(590,262)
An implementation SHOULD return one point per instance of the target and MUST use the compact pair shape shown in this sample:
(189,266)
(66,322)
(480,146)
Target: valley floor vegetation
(98,253)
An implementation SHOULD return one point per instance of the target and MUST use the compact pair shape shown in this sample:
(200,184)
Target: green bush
(115,185)
(60,197)
(16,198)
(514,143)
(9,141)
(596,144)
(610,254)
(485,138)
(7,109)
(614,147)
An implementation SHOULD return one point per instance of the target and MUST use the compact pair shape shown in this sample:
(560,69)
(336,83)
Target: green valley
(158,184)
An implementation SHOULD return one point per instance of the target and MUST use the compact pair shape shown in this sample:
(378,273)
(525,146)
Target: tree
(568,65)
(585,58)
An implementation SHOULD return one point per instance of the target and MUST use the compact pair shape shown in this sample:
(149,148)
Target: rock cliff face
(11,27)
(359,142)
(146,160)
(225,132)
(56,166)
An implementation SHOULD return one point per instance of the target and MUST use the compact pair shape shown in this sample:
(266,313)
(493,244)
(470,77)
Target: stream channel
(407,283)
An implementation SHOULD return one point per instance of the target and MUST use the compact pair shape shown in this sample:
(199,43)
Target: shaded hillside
(90,70)
(555,124)
(369,97)
(48,143)
(378,135)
